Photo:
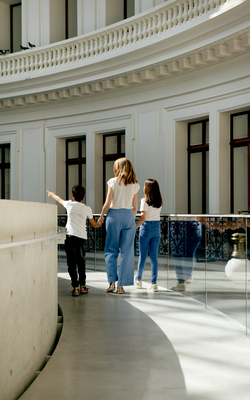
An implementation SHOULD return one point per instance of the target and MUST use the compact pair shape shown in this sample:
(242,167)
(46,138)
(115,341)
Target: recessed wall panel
(32,165)
(147,160)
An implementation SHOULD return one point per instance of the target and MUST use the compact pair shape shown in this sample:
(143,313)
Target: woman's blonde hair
(123,169)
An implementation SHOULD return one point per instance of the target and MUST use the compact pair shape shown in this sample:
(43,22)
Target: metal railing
(216,235)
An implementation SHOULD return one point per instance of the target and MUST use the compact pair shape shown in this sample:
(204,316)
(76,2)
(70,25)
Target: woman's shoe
(111,287)
(120,290)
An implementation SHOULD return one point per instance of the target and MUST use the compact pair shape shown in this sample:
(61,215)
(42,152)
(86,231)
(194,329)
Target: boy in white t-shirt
(76,236)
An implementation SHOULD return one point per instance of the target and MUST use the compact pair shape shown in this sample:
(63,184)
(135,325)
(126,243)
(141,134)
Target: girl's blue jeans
(120,230)
(149,238)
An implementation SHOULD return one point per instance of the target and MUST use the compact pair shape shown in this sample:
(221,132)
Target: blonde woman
(121,209)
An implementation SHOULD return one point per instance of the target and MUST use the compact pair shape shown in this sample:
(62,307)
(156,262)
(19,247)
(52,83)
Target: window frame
(11,24)
(75,161)
(241,142)
(199,148)
(3,166)
(126,9)
(111,157)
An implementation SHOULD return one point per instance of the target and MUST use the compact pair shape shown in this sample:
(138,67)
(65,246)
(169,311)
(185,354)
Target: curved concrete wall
(28,292)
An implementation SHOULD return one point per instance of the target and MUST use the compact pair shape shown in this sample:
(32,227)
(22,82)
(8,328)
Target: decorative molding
(88,50)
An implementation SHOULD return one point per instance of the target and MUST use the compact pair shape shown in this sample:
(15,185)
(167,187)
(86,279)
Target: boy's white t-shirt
(77,215)
(153,213)
(123,195)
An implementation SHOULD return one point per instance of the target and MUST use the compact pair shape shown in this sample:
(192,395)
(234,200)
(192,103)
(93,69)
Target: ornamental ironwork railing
(171,15)
(216,240)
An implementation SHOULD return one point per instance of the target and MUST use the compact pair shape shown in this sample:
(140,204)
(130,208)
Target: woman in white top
(121,205)
(149,237)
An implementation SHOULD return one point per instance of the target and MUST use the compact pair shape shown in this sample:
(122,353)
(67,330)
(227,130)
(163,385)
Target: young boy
(76,235)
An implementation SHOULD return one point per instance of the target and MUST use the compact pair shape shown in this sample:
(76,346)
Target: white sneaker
(189,281)
(138,284)
(180,287)
(152,288)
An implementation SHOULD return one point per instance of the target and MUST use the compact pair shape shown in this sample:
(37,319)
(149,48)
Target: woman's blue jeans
(120,230)
(149,238)
(184,237)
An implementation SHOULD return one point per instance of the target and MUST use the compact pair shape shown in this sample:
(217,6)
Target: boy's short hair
(78,192)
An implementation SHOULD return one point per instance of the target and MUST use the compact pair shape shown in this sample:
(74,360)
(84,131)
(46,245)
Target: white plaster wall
(4,26)
(156,142)
(28,293)
(154,116)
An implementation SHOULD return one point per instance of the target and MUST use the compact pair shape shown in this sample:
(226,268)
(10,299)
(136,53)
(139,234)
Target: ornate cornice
(175,39)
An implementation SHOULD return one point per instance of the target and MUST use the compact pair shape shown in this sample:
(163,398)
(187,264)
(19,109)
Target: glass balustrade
(205,257)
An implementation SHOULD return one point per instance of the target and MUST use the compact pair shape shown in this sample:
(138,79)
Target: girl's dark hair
(152,193)
(78,192)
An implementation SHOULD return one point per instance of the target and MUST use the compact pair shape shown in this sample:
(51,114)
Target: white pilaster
(36,22)
(91,15)
(144,5)
(219,162)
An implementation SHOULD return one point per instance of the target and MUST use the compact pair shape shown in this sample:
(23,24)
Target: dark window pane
(240,126)
(195,134)
(73,150)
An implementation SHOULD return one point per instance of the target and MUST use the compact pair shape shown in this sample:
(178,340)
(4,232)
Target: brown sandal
(111,287)
(120,290)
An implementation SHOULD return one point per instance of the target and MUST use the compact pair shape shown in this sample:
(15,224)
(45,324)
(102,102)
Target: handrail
(31,241)
(118,36)
(188,215)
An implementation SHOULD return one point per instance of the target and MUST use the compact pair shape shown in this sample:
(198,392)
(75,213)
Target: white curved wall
(28,293)
(161,70)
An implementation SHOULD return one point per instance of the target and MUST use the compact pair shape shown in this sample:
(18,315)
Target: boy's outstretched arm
(55,197)
(94,223)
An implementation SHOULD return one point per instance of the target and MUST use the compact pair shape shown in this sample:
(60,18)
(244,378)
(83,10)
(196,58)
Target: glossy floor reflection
(142,346)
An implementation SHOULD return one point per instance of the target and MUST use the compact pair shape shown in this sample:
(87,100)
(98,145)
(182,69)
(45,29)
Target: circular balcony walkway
(142,346)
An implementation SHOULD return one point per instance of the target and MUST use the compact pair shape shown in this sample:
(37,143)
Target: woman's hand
(100,220)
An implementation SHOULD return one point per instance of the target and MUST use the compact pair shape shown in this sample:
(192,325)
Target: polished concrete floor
(141,346)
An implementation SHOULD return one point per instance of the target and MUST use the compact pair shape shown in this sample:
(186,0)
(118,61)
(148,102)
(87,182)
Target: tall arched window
(15,27)
(240,161)
(75,163)
(5,171)
(113,148)
(198,167)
